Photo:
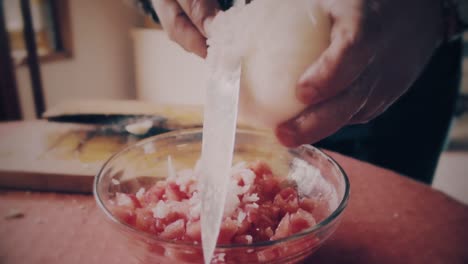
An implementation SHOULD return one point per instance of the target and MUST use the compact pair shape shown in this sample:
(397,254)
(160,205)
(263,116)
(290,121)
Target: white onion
(275,41)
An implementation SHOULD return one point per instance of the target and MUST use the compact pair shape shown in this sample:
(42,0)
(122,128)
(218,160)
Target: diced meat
(301,220)
(155,193)
(268,215)
(136,203)
(261,169)
(173,192)
(125,214)
(283,229)
(145,221)
(287,200)
(308,204)
(269,232)
(267,188)
(229,228)
(259,208)
(172,217)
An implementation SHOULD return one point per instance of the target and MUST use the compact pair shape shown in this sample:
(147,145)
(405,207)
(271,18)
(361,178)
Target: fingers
(316,122)
(179,27)
(199,12)
(341,63)
(325,118)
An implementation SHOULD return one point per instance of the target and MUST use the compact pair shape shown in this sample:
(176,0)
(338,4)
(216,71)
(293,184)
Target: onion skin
(282,45)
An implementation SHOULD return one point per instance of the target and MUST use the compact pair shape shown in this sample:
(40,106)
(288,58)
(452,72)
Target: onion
(274,41)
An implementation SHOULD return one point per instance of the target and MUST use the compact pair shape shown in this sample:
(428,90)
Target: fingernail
(286,135)
(307,94)
(305,91)
(303,80)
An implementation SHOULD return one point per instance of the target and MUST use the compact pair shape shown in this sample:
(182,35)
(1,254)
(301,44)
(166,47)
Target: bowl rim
(184,132)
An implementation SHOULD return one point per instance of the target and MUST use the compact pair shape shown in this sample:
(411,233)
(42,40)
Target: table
(389,219)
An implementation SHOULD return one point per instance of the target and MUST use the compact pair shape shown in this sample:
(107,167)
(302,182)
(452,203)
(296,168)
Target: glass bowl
(145,163)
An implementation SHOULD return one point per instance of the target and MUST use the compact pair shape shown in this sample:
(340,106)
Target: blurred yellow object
(14,21)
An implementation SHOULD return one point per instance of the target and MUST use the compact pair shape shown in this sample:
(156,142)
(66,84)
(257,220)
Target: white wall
(102,63)
(165,73)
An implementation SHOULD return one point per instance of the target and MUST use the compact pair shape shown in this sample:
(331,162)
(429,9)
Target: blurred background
(108,49)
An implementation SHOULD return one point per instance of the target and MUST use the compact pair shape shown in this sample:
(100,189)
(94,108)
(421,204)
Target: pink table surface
(389,219)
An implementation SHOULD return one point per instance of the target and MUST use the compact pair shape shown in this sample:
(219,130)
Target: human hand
(377,50)
(185,21)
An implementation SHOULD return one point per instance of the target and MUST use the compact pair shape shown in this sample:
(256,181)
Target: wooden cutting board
(50,156)
(47,156)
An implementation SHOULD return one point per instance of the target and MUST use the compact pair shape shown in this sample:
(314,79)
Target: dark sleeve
(148,8)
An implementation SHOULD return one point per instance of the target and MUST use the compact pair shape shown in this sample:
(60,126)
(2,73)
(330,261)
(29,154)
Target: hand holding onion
(377,50)
(311,67)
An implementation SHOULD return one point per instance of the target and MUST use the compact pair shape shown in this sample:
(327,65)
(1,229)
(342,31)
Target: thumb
(339,65)
(200,12)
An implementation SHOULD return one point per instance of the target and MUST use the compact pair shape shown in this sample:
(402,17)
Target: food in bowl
(124,187)
(260,207)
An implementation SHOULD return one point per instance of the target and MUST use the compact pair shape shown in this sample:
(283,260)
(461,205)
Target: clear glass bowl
(143,164)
